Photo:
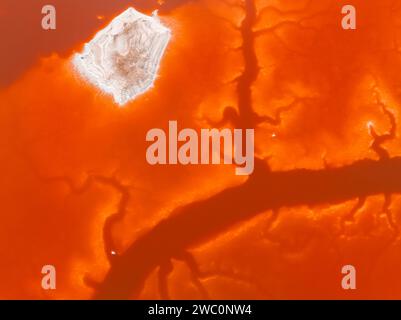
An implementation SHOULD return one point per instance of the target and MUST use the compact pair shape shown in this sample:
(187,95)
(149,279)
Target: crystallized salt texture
(123,59)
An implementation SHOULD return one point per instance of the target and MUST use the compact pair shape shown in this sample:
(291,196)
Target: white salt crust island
(123,59)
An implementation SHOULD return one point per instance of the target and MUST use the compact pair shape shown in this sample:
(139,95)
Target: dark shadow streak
(204,220)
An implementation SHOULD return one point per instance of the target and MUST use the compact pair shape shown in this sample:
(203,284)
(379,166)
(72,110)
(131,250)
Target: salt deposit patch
(123,59)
